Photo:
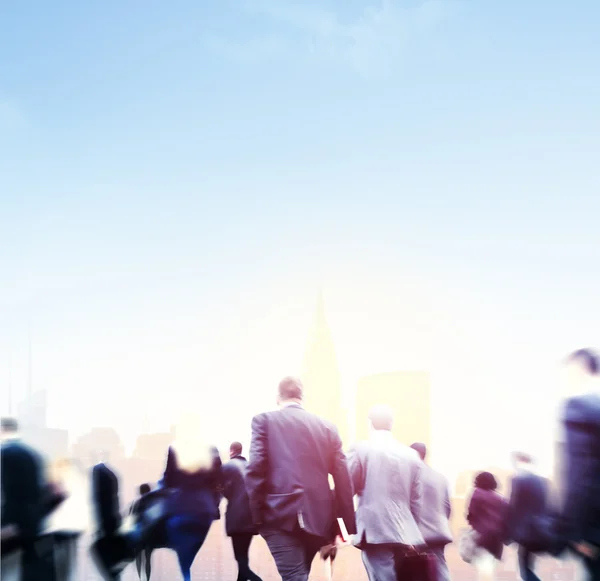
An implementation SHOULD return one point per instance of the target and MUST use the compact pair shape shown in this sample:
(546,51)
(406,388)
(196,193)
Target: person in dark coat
(486,513)
(195,482)
(579,521)
(143,558)
(23,496)
(292,455)
(527,508)
(238,518)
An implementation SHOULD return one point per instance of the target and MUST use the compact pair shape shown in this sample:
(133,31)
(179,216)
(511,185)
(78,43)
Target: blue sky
(173,174)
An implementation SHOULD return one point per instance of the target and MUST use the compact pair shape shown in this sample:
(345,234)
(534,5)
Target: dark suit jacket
(580,518)
(528,502)
(238,518)
(487,514)
(105,487)
(196,493)
(23,488)
(291,456)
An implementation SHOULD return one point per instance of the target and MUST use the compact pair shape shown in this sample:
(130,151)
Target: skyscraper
(321,376)
(407,393)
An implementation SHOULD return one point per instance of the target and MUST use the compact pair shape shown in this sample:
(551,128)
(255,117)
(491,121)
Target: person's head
(144,489)
(290,391)
(235,450)
(581,366)
(192,442)
(421,449)
(522,460)
(485,481)
(9,427)
(381,417)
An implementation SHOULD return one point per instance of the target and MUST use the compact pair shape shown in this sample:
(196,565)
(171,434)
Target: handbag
(467,545)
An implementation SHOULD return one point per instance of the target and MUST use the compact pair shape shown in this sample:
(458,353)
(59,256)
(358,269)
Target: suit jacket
(292,454)
(387,479)
(487,513)
(238,518)
(23,491)
(436,508)
(196,493)
(580,518)
(105,492)
(526,507)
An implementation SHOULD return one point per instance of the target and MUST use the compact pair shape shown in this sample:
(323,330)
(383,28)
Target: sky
(178,179)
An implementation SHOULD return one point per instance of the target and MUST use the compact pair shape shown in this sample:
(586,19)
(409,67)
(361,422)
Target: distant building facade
(408,393)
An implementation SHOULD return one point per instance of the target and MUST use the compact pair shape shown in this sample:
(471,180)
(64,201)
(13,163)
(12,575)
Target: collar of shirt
(288,404)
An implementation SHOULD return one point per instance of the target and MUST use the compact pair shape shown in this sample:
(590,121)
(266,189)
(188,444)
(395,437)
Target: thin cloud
(372,43)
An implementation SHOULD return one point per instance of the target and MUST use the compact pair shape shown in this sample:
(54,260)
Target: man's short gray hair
(290,388)
(382,417)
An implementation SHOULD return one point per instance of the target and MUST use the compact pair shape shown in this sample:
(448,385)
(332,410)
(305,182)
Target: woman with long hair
(193,474)
(486,514)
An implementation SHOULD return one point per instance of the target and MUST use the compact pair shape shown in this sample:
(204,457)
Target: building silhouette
(32,416)
(408,393)
(321,375)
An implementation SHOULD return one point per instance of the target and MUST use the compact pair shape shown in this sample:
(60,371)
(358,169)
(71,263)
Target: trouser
(526,562)
(439,551)
(186,535)
(293,553)
(388,563)
(241,547)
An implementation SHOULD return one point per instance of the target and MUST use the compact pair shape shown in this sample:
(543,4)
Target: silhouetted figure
(292,455)
(143,559)
(112,549)
(527,509)
(486,513)
(23,501)
(387,480)
(238,518)
(435,512)
(192,508)
(579,525)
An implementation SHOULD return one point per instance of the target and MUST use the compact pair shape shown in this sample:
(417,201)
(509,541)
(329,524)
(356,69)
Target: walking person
(387,480)
(143,558)
(238,518)
(527,507)
(487,513)
(193,475)
(579,522)
(292,455)
(435,513)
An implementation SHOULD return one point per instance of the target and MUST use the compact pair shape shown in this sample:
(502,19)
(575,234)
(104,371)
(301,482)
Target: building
(408,393)
(321,375)
(32,413)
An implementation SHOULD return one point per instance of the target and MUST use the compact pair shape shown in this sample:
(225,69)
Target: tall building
(408,393)
(32,413)
(321,375)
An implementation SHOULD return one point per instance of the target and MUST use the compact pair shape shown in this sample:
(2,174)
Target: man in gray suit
(389,497)
(436,511)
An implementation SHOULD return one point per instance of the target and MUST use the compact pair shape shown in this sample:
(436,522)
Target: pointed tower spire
(321,376)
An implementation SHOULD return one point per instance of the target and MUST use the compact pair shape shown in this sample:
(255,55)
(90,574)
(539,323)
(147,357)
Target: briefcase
(416,565)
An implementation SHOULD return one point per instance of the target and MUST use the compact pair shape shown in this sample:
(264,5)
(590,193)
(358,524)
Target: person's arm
(447,502)
(416,494)
(257,470)
(357,474)
(472,508)
(344,494)
(170,469)
(512,507)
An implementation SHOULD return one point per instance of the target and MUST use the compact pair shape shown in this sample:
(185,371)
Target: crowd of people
(306,497)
